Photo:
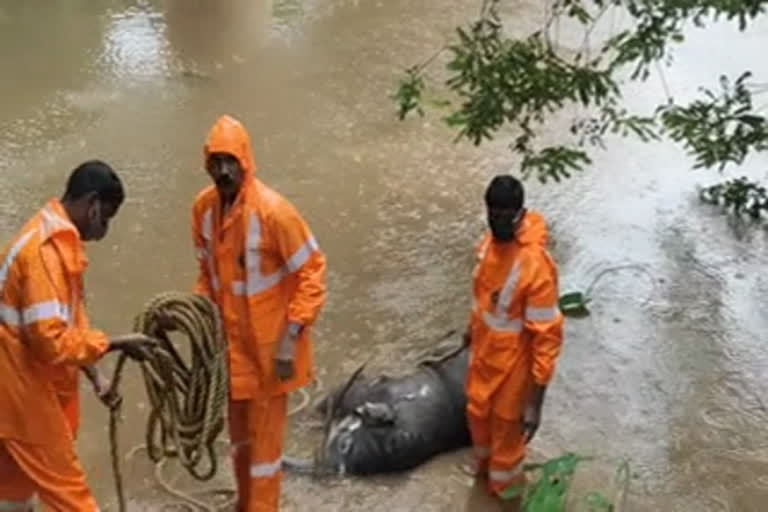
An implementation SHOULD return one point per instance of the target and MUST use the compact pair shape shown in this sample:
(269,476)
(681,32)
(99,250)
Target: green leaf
(495,81)
(739,196)
(440,103)
(752,120)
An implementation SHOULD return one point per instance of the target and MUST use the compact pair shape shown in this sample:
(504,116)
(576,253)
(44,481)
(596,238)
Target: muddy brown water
(669,370)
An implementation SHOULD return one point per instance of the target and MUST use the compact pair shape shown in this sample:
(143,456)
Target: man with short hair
(515,334)
(45,339)
(261,265)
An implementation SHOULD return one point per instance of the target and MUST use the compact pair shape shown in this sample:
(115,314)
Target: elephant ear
(376,413)
(440,355)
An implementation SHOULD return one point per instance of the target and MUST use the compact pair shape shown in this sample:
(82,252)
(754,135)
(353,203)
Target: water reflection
(135,46)
(33,106)
(211,36)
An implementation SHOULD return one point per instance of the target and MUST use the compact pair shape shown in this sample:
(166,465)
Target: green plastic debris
(549,492)
(574,304)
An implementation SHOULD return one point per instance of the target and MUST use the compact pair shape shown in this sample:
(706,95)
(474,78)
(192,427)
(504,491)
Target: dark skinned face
(504,223)
(226,173)
(97,217)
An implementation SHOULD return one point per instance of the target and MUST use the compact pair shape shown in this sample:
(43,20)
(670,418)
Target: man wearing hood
(261,265)
(515,334)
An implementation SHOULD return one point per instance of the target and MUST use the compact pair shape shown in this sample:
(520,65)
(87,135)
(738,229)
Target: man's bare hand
(135,345)
(286,354)
(532,412)
(111,398)
(101,385)
(531,421)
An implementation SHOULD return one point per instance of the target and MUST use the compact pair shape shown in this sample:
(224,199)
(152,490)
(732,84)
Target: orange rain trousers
(503,459)
(51,471)
(256,430)
(497,434)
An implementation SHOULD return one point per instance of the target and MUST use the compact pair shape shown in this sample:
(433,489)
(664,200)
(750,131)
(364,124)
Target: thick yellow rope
(187,400)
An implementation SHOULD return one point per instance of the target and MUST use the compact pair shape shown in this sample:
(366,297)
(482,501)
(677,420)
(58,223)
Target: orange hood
(533,230)
(228,135)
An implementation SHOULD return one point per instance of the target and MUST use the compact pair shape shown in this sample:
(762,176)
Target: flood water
(668,371)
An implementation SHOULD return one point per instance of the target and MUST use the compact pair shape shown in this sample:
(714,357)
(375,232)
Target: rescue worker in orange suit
(515,335)
(261,265)
(46,339)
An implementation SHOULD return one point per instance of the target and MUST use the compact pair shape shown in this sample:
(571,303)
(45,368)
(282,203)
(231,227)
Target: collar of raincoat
(228,135)
(533,230)
(58,227)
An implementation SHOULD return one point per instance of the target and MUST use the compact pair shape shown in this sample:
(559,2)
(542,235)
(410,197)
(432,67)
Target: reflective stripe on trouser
(499,445)
(54,473)
(256,430)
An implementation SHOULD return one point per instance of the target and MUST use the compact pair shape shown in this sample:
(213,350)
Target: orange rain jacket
(262,266)
(515,322)
(44,332)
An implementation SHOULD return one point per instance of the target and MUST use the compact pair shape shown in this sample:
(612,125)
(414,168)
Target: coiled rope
(187,401)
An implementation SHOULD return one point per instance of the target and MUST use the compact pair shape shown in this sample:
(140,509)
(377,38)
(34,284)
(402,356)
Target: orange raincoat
(516,336)
(261,265)
(44,339)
